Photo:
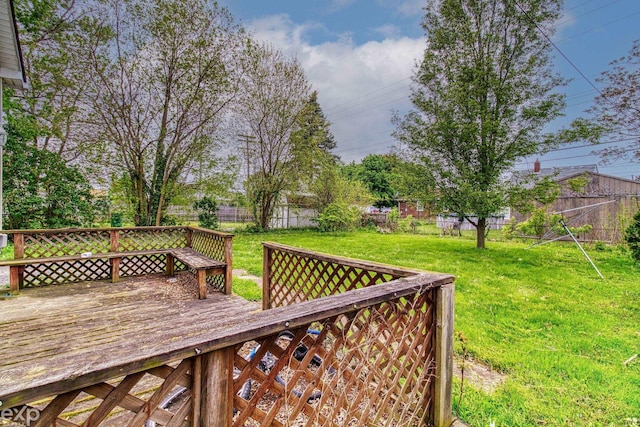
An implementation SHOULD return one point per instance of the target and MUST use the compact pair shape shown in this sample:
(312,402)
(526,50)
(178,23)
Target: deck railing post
(114,237)
(16,273)
(189,237)
(18,245)
(216,388)
(228,260)
(266,278)
(114,263)
(444,356)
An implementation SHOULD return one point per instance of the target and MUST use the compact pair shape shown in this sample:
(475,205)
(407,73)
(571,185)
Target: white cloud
(565,22)
(389,31)
(358,85)
(411,7)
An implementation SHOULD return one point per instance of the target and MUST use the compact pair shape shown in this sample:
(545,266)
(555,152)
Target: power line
(566,21)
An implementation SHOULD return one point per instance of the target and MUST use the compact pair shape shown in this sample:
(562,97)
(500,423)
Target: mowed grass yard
(541,316)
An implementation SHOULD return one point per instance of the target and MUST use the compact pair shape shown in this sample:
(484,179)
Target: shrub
(632,236)
(407,224)
(393,218)
(207,212)
(116,219)
(338,217)
(509,230)
(535,225)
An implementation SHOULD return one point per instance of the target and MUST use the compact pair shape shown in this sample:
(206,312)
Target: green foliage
(207,212)
(393,218)
(339,217)
(538,223)
(116,219)
(177,65)
(509,231)
(483,93)
(376,173)
(579,183)
(632,236)
(543,191)
(275,97)
(42,191)
(407,224)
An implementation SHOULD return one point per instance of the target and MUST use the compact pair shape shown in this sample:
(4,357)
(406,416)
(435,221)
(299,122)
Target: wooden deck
(365,342)
(56,334)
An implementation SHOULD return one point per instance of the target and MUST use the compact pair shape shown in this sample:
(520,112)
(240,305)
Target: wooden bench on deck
(203,265)
(50,257)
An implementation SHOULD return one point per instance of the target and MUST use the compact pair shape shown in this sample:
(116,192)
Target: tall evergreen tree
(481,97)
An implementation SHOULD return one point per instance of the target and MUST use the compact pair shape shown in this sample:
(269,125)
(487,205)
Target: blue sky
(360,55)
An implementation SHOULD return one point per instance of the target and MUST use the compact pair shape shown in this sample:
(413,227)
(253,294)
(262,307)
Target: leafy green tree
(333,186)
(163,76)
(376,172)
(52,112)
(41,190)
(481,96)
(275,94)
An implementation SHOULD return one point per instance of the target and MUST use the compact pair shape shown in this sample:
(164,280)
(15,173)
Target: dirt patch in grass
(479,375)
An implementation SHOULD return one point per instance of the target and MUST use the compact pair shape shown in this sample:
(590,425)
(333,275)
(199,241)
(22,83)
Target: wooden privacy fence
(75,255)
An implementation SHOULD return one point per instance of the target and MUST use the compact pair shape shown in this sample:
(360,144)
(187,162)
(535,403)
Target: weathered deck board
(59,332)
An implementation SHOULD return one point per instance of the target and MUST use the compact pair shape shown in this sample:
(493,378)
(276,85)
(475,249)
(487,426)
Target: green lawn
(541,316)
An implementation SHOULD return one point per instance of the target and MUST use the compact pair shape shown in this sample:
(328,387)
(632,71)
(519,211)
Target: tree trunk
(480,231)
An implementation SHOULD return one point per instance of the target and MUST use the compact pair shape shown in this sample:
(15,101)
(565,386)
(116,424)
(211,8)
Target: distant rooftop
(565,171)
(557,173)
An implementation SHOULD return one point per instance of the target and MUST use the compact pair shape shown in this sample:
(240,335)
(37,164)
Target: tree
(616,109)
(481,96)
(334,186)
(208,212)
(163,74)
(275,93)
(41,190)
(376,172)
(50,107)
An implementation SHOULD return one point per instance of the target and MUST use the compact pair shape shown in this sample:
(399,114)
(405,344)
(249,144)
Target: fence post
(444,356)
(266,278)
(216,388)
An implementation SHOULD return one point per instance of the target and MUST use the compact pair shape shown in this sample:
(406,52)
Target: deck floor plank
(57,332)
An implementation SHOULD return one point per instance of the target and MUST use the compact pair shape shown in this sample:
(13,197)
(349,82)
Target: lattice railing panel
(66,272)
(296,278)
(41,245)
(162,395)
(377,365)
(140,265)
(209,244)
(142,239)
